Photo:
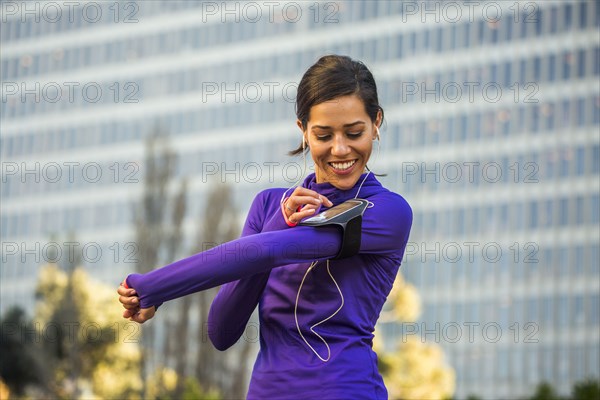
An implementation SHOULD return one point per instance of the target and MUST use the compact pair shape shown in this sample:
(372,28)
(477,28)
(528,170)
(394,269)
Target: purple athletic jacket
(265,267)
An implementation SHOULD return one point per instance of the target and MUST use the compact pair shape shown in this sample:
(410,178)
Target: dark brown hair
(333,76)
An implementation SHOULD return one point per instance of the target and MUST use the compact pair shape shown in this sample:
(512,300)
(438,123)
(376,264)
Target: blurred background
(137,133)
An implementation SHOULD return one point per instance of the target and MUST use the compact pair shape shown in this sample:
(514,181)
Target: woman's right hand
(303,203)
(130,301)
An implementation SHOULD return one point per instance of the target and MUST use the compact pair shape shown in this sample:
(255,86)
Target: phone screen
(333,211)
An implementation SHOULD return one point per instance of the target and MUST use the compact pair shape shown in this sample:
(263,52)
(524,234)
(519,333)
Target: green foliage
(193,391)
(586,390)
(544,391)
(19,365)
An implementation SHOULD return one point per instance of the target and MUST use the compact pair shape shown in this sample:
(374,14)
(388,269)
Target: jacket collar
(370,187)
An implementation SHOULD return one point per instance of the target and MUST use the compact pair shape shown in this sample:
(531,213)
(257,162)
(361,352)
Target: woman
(317,314)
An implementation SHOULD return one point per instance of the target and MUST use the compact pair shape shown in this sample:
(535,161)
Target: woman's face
(340,137)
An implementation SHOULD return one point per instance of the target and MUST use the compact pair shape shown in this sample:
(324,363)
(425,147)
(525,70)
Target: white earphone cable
(312,265)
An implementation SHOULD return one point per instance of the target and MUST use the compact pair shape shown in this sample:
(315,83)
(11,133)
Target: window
(579,261)
(533,214)
(594,212)
(546,311)
(568,16)
(548,212)
(567,62)
(596,159)
(593,310)
(563,311)
(579,210)
(583,13)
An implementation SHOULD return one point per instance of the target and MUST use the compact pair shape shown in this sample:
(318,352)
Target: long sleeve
(235,302)
(240,258)
(385,232)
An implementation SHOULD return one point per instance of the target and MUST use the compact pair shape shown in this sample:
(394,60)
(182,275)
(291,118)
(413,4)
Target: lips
(341,166)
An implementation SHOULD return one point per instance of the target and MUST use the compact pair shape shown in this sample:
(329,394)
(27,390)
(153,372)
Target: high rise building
(492,112)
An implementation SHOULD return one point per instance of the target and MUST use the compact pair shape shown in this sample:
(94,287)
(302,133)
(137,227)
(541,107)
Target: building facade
(492,113)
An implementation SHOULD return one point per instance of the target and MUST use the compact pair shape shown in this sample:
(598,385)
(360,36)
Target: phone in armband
(348,216)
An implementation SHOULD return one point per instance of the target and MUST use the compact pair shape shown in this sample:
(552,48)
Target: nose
(340,146)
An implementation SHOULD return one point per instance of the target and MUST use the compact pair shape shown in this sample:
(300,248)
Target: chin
(345,183)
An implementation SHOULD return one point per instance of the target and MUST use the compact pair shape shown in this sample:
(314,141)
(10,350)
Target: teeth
(342,165)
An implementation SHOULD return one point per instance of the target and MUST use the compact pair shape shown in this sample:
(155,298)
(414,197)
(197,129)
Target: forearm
(232,307)
(235,260)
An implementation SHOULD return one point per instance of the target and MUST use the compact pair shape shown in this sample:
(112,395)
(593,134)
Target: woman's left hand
(130,301)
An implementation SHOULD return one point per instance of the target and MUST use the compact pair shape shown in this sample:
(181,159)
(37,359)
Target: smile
(342,166)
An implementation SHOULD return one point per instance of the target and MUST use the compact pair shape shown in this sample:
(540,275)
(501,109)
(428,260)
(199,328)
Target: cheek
(366,148)
(317,152)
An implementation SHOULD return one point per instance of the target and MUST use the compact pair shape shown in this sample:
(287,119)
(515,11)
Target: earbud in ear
(377,130)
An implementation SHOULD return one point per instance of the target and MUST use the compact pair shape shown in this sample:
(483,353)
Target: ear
(378,119)
(377,123)
(304,138)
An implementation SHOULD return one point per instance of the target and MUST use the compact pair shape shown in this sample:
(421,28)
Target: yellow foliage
(405,301)
(117,371)
(4,391)
(417,371)
(162,382)
(52,282)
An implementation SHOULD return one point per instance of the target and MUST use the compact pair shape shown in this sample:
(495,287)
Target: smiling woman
(340,149)
(317,309)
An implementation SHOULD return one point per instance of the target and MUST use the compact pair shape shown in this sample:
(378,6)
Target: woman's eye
(323,137)
(355,135)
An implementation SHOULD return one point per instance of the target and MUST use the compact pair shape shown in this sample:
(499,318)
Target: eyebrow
(345,125)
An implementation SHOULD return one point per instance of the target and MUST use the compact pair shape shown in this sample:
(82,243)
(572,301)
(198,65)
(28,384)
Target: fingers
(142,315)
(129,302)
(305,212)
(295,201)
(326,201)
(302,196)
(303,203)
(128,298)
(123,291)
(129,313)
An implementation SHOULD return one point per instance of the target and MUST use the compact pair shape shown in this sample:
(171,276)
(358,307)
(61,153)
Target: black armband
(348,216)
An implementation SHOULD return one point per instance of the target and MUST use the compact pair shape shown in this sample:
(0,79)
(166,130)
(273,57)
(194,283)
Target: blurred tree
(160,242)
(219,225)
(151,232)
(544,391)
(415,370)
(586,390)
(86,342)
(20,365)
